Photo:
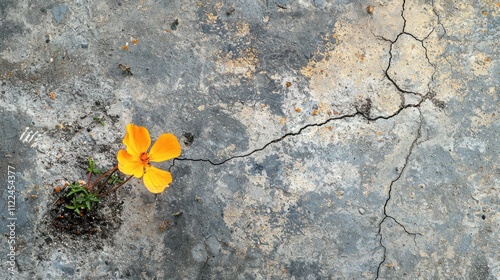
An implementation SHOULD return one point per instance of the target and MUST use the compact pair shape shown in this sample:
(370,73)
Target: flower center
(145,158)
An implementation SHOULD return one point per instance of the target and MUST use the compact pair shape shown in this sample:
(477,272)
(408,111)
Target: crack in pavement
(386,216)
(421,41)
(366,115)
(429,95)
(368,118)
(439,19)
(357,113)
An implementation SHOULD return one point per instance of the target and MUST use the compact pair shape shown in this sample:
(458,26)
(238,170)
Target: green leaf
(81,197)
(91,167)
(100,120)
(70,193)
(114,179)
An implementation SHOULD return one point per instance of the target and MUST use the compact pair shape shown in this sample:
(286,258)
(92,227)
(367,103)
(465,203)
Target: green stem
(115,188)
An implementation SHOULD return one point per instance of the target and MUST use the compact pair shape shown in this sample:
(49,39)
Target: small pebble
(361,211)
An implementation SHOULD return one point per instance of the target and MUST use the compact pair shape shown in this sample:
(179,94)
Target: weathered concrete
(321,139)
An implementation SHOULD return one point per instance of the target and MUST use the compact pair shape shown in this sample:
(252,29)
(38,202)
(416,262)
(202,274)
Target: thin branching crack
(387,216)
(290,134)
(422,42)
(403,16)
(272,141)
(428,95)
(381,38)
(358,112)
(439,19)
(366,116)
(426,52)
(386,71)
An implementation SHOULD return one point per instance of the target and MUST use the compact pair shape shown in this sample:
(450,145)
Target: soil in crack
(102,221)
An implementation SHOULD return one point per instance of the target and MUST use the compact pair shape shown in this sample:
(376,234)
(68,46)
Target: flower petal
(166,147)
(129,164)
(156,180)
(137,140)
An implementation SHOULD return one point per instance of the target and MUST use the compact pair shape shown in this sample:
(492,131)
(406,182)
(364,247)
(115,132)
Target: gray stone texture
(320,141)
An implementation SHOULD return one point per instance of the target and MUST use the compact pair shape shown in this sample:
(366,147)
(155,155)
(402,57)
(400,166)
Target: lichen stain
(212,12)
(242,66)
(211,17)
(243,29)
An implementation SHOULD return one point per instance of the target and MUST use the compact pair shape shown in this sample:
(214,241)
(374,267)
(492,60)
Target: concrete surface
(321,139)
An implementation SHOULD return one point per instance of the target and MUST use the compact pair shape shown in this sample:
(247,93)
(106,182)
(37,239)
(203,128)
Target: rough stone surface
(320,140)
(59,12)
(407,69)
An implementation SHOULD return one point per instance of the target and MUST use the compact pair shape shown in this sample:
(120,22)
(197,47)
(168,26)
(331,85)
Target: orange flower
(135,160)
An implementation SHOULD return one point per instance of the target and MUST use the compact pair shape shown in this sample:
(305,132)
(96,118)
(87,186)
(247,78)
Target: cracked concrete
(321,140)
(387,216)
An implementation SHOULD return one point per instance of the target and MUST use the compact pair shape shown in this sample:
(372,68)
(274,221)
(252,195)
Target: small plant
(92,169)
(99,120)
(82,198)
(114,179)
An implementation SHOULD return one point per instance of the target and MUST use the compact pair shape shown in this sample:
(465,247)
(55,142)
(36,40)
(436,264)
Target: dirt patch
(99,223)
(103,218)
